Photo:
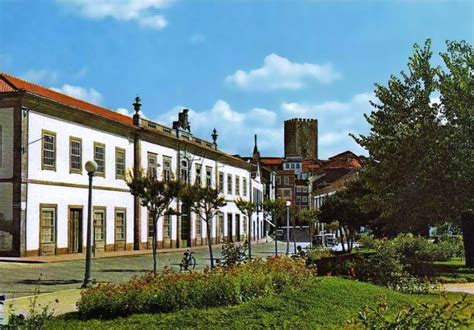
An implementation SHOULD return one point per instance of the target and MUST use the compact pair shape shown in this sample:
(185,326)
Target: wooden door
(75,230)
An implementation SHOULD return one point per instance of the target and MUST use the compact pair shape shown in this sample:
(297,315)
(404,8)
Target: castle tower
(301,138)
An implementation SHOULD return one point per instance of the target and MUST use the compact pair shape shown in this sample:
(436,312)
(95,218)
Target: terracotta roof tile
(19,84)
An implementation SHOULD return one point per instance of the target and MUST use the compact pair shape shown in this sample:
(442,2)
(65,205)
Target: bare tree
(248,208)
(206,203)
(157,196)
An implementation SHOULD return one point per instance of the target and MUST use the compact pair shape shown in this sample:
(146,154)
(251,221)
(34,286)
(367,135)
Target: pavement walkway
(459,287)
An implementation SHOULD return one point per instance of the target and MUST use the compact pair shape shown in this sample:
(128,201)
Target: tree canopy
(420,169)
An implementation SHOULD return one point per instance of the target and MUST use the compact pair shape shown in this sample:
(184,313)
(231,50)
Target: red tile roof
(271,161)
(9,83)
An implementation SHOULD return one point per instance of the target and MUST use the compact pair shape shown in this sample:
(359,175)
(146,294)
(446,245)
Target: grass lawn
(327,302)
(452,271)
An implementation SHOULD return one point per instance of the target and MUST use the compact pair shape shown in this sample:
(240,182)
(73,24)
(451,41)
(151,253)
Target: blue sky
(240,66)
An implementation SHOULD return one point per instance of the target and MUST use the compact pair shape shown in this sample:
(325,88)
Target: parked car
(329,240)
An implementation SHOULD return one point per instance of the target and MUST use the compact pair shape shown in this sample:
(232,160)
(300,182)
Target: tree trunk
(294,235)
(343,233)
(153,243)
(209,240)
(250,236)
(275,230)
(467,226)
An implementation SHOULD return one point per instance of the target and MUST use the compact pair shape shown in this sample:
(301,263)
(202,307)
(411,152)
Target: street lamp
(91,168)
(288,204)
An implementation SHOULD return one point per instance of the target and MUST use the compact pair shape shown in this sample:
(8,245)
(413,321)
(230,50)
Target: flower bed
(172,291)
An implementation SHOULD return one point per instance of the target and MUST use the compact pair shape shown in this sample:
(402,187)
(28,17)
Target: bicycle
(188,263)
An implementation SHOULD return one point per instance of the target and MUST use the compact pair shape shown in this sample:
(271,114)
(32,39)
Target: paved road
(19,279)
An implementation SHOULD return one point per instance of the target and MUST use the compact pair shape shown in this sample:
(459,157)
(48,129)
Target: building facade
(46,138)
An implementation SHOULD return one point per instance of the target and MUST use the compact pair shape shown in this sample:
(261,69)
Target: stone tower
(301,138)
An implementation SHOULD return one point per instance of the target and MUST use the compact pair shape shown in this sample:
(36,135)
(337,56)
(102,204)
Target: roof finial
(137,105)
(214,136)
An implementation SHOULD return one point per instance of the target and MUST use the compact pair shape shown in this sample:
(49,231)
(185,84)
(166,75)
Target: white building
(45,139)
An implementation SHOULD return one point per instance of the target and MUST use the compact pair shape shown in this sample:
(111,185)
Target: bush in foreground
(441,315)
(175,291)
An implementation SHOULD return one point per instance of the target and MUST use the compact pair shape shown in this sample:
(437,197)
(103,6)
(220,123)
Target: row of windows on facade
(286,193)
(292,166)
(49,154)
(75,164)
(48,225)
(198,229)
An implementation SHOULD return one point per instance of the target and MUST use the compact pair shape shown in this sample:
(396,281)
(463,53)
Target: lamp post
(90,167)
(288,204)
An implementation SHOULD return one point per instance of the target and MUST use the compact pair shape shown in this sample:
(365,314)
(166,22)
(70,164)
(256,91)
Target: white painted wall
(6,123)
(64,130)
(65,196)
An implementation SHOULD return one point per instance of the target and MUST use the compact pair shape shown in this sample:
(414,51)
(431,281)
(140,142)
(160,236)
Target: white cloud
(336,120)
(41,76)
(235,129)
(82,93)
(126,112)
(145,13)
(280,73)
(197,39)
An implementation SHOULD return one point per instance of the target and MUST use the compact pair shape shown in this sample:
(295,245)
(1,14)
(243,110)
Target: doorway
(75,230)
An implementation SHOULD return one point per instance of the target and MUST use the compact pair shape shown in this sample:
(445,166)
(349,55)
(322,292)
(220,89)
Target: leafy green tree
(275,209)
(310,217)
(343,207)
(157,196)
(248,208)
(206,203)
(420,168)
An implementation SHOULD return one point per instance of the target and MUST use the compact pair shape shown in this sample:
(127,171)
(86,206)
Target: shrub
(442,315)
(172,291)
(367,241)
(233,254)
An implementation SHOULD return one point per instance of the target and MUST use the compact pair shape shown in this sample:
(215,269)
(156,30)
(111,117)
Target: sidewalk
(100,255)
(459,287)
(59,302)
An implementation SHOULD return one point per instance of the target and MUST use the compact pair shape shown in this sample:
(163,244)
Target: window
(237,185)
(221,225)
(49,151)
(305,199)
(298,166)
(244,184)
(198,180)
(198,227)
(292,166)
(119,163)
(99,224)
(152,165)
(75,155)
(286,180)
(221,182)
(150,225)
(184,171)
(166,168)
(304,189)
(99,158)
(229,184)
(278,180)
(167,226)
(298,200)
(298,189)
(48,224)
(120,224)
(286,192)
(208,176)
